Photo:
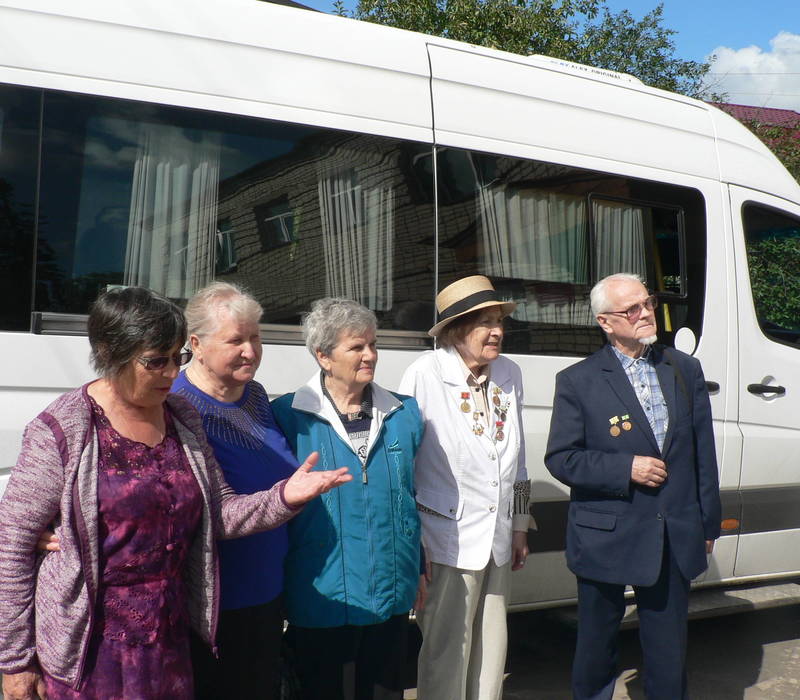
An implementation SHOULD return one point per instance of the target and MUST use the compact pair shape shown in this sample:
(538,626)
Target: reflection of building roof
(785,118)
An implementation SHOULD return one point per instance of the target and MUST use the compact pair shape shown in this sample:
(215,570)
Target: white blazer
(467,479)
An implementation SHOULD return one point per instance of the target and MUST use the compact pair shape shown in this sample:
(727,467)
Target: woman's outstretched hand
(305,484)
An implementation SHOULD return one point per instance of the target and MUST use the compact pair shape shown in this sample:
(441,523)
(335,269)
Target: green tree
(585,31)
(644,48)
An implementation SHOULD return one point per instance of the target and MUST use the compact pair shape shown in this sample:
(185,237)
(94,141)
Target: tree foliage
(775,278)
(585,31)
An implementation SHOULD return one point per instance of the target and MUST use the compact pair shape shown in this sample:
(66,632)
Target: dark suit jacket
(615,530)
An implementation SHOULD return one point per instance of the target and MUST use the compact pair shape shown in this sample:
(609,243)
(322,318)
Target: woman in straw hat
(472,492)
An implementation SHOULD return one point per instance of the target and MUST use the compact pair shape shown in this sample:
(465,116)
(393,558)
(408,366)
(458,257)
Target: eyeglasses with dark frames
(160,362)
(634,312)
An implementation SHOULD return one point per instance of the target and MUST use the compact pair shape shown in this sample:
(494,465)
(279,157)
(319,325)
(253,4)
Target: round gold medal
(626,425)
(614,430)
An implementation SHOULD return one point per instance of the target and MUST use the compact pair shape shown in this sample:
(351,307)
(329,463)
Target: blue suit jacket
(615,529)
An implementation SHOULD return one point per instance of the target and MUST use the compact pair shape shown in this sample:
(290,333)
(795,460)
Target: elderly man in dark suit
(631,435)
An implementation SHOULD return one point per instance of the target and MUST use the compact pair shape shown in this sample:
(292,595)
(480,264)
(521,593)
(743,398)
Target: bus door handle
(712,387)
(766,389)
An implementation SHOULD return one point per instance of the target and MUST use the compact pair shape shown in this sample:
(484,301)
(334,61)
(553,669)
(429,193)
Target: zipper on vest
(364,479)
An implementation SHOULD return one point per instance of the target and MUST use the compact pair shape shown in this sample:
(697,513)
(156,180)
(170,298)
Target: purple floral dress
(150,508)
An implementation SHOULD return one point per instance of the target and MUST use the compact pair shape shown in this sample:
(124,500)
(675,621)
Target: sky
(756,43)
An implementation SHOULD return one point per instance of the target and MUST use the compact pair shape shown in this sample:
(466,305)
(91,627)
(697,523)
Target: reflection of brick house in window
(278,224)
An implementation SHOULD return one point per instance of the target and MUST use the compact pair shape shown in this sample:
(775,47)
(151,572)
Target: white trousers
(464,636)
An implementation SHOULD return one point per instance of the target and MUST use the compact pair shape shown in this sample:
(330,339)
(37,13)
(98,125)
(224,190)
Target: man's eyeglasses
(158,363)
(634,312)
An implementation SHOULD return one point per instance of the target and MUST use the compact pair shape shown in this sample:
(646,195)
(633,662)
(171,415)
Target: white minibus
(300,154)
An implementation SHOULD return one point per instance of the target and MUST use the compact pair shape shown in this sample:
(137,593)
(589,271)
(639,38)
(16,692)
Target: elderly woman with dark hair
(353,566)
(123,470)
(472,492)
(225,338)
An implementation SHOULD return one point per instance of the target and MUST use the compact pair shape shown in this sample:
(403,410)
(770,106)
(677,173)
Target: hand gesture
(24,685)
(304,484)
(648,471)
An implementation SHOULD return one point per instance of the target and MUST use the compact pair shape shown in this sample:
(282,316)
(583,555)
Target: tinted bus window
(545,233)
(773,258)
(169,198)
(19,130)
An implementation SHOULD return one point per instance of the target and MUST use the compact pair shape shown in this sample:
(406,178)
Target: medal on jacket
(496,397)
(614,430)
(477,429)
(626,422)
(499,435)
(465,406)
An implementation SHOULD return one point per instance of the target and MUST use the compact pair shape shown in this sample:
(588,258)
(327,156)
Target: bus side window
(773,256)
(545,233)
(19,129)
(171,198)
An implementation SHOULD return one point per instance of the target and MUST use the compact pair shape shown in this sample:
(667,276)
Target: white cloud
(752,76)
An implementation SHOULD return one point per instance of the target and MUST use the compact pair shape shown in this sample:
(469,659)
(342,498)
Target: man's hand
(709,546)
(648,471)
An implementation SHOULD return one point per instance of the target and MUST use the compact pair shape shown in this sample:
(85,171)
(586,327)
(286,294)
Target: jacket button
(493,483)
(492,509)
(170,547)
(660,517)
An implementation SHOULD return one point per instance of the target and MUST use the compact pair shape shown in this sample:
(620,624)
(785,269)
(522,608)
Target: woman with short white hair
(223,325)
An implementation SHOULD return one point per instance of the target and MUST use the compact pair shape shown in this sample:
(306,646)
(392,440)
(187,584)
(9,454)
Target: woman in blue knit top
(253,453)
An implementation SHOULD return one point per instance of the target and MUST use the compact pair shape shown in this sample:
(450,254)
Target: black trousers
(662,610)
(249,644)
(351,662)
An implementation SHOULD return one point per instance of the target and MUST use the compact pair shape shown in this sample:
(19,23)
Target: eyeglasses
(634,312)
(155,364)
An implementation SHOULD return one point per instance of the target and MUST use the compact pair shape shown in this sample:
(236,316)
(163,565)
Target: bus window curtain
(619,231)
(537,235)
(358,239)
(173,214)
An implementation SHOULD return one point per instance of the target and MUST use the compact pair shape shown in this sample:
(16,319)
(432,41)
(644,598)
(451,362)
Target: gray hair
(126,321)
(598,297)
(202,310)
(332,316)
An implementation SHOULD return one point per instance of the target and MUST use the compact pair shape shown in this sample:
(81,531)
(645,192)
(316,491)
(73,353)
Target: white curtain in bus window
(541,236)
(619,238)
(358,239)
(173,214)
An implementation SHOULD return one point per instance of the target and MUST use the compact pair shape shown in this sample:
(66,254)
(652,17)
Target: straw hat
(465,295)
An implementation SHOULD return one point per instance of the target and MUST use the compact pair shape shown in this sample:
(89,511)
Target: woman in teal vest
(352,571)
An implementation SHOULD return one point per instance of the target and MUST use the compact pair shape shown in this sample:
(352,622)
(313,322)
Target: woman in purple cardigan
(124,472)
